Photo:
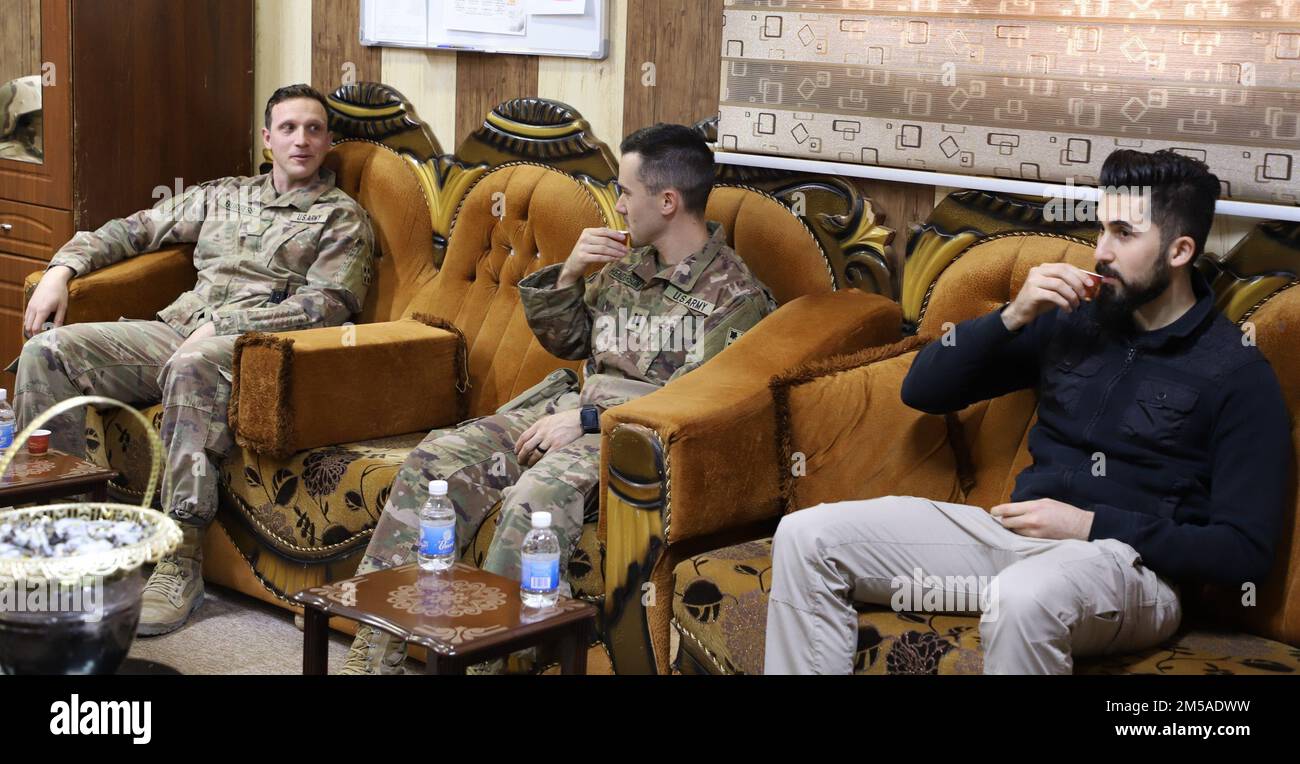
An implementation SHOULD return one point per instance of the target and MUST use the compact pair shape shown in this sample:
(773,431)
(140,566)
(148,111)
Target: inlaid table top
(49,471)
(452,612)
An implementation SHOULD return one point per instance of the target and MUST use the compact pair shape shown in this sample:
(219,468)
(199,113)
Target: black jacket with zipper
(1178,439)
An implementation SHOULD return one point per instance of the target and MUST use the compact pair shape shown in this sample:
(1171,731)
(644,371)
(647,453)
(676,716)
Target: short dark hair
(674,156)
(1183,191)
(290,92)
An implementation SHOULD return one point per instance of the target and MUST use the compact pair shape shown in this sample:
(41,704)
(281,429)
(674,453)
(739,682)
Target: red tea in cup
(39,442)
(1096,284)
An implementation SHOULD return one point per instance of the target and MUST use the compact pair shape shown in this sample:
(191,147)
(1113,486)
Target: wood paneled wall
(484,80)
(674,61)
(20,34)
(664,65)
(336,49)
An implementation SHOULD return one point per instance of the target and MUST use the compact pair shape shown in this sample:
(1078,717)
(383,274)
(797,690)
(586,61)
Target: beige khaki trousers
(1041,602)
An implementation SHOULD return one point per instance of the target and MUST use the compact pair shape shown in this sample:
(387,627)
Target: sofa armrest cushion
(846,434)
(717,424)
(137,287)
(298,390)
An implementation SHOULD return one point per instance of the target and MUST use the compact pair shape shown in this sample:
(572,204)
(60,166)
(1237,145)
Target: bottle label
(438,540)
(541,573)
(6,434)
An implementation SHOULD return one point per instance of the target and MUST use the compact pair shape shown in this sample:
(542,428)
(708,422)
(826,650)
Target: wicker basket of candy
(71,574)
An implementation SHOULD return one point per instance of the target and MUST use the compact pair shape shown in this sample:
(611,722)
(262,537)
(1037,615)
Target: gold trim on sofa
(1265,263)
(847,226)
(375,112)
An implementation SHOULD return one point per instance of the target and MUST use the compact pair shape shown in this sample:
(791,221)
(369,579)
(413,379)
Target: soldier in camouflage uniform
(652,314)
(22,133)
(278,252)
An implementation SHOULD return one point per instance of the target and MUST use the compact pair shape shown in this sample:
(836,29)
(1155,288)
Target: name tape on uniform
(309,217)
(703,307)
(627,278)
(231,205)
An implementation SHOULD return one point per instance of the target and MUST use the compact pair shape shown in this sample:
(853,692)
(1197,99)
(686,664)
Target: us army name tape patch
(308,217)
(694,303)
(626,278)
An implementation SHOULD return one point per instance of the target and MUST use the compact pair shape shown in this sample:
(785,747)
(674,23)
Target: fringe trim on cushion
(813,370)
(825,367)
(783,383)
(284,419)
(960,453)
(462,359)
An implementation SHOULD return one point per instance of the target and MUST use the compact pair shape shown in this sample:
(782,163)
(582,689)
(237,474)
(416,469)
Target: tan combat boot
(494,667)
(521,662)
(175,590)
(374,652)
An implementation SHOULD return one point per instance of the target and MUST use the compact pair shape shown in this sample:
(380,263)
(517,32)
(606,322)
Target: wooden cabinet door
(30,231)
(49,183)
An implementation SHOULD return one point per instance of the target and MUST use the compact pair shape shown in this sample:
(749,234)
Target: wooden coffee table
(52,475)
(461,616)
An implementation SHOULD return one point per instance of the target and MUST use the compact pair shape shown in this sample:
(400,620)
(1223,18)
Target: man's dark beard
(1115,313)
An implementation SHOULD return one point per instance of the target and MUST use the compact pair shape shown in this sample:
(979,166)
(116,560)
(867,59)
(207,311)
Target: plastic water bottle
(6,420)
(437,529)
(539,585)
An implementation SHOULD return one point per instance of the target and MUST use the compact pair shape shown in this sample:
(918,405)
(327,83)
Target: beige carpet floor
(233,633)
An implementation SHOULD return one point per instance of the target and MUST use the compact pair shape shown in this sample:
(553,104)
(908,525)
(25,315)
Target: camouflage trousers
(477,459)
(136,362)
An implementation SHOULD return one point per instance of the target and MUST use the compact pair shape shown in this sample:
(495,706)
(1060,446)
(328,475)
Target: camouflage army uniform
(21,133)
(710,297)
(266,262)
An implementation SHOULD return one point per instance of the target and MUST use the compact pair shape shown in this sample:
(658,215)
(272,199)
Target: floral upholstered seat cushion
(316,498)
(1203,652)
(315,504)
(321,497)
(115,439)
(720,613)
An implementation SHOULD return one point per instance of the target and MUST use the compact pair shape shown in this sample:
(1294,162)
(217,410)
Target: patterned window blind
(1039,90)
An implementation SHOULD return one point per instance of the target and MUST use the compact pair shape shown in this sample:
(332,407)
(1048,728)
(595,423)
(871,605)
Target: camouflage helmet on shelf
(18,98)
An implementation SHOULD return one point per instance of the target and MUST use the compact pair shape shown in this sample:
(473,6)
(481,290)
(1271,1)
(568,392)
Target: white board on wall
(549,28)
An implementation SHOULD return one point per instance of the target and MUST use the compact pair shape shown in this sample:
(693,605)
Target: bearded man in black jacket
(1190,419)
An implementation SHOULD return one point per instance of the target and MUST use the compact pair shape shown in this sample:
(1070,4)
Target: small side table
(461,616)
(52,475)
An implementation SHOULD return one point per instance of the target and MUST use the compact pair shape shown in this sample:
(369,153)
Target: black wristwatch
(590,420)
